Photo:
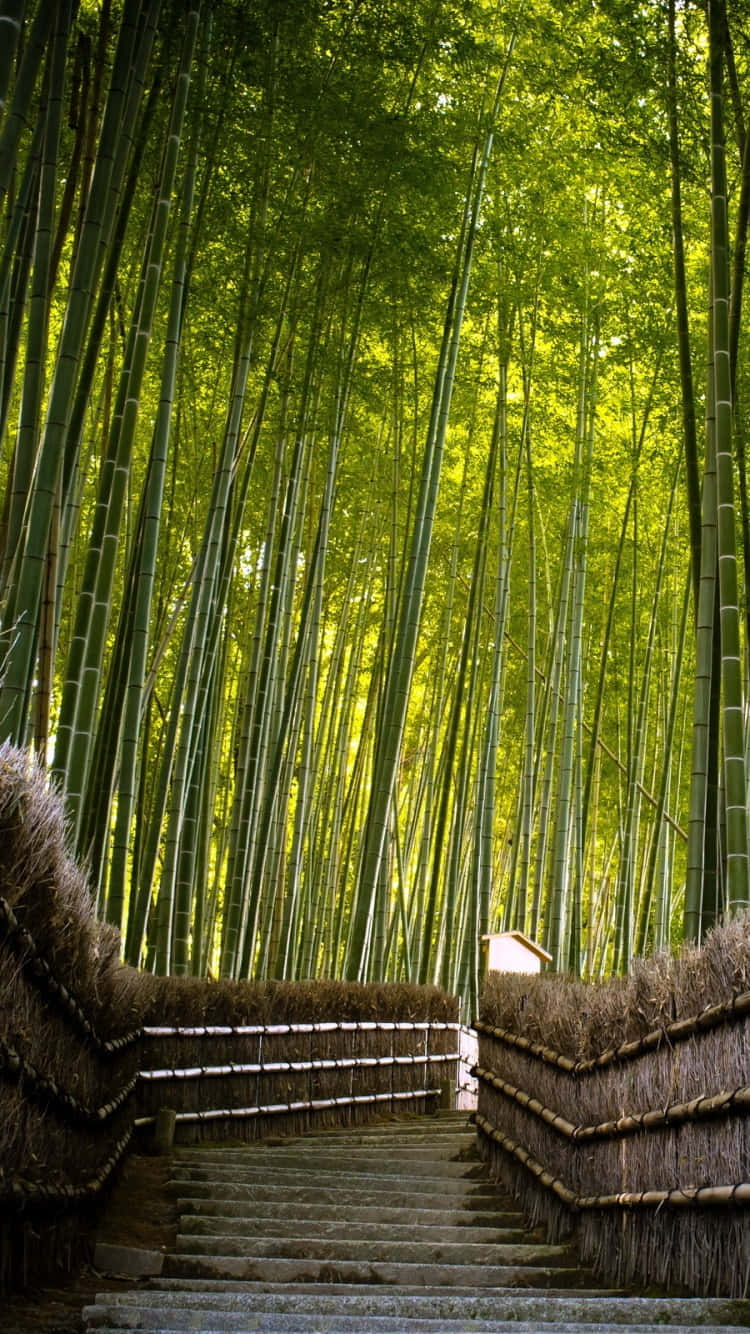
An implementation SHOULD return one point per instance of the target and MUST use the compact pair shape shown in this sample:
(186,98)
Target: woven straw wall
(369,1067)
(621,1111)
(72,1043)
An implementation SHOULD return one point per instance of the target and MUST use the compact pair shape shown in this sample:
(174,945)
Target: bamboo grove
(375,531)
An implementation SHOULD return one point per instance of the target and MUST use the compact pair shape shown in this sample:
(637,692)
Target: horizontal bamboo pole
(688,1196)
(295,1067)
(679,1031)
(279,1030)
(632,1123)
(313,1105)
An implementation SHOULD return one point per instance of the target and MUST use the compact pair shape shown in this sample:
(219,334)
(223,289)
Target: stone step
(468,1180)
(371,1231)
(344,1228)
(365,1290)
(379,1134)
(252,1207)
(270,1269)
(425,1127)
(507,1307)
(271,1324)
(429,1129)
(482,1200)
(419,1123)
(335,1139)
(107,1322)
(449,1150)
(403,1252)
(437,1146)
(250,1165)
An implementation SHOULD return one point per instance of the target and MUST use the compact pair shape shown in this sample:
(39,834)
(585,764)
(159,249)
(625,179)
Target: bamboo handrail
(280,1030)
(293,1067)
(632,1123)
(311,1105)
(681,1196)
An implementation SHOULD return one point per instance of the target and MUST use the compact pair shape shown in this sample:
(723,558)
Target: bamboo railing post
(259,1076)
(164,1130)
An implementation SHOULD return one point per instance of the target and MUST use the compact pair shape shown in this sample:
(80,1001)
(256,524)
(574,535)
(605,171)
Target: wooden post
(446,1102)
(164,1130)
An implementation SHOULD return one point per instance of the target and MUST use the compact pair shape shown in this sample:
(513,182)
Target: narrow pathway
(393,1228)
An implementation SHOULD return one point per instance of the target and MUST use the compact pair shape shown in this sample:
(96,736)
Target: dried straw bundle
(188,1001)
(702,1252)
(64,1113)
(71,1045)
(582,1019)
(51,900)
(706,1144)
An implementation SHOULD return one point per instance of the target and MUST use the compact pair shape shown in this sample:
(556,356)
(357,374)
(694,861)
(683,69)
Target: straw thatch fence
(252,1079)
(621,1111)
(91,1050)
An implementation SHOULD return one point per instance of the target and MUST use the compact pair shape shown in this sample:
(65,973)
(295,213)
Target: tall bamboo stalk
(738,863)
(401,664)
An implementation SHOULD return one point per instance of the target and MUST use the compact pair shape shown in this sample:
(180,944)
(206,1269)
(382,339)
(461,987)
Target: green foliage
(227,732)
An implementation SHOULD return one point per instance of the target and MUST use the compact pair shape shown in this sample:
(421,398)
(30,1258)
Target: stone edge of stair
(127,1261)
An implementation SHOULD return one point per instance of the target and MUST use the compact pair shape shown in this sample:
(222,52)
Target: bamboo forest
(375,530)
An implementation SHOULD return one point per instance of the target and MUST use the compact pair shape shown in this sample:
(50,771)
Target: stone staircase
(388,1229)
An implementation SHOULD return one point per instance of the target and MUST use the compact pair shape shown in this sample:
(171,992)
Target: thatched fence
(621,1111)
(252,1079)
(91,1050)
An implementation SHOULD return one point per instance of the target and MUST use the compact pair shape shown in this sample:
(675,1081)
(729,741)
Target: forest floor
(140,1211)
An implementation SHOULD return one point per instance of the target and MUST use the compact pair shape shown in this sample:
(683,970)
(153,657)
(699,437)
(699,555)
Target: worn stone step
(275,1324)
(365,1290)
(270,1269)
(403,1252)
(400,1134)
(447,1151)
(481,1200)
(251,1207)
(466,1181)
(283,1166)
(426,1125)
(426,1128)
(272,1323)
(442,1151)
(510,1307)
(344,1228)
